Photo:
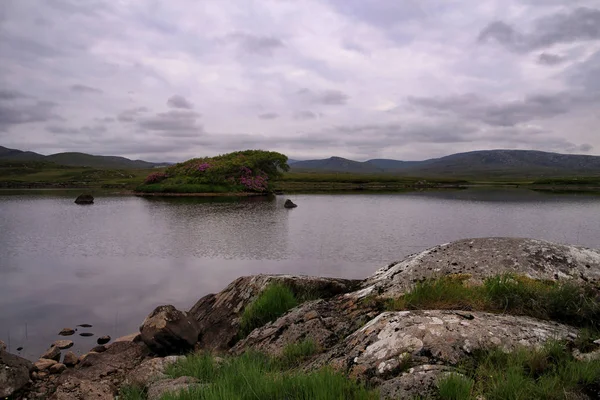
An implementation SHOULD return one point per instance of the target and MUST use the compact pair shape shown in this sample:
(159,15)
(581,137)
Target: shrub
(272,303)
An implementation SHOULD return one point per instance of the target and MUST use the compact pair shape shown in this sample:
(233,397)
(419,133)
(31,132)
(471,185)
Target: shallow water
(111,263)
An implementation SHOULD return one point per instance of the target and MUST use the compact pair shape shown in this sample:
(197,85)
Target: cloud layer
(406,80)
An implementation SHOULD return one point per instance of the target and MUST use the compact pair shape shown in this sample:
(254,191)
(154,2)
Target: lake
(111,263)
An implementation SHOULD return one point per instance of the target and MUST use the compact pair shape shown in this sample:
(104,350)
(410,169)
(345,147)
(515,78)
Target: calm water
(111,263)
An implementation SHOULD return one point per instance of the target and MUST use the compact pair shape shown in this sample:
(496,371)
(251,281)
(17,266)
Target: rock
(432,337)
(2,346)
(19,348)
(67,332)
(52,354)
(103,339)
(158,389)
(85,326)
(57,368)
(70,359)
(134,337)
(419,382)
(63,344)
(289,204)
(218,314)
(84,199)
(14,373)
(485,257)
(86,334)
(99,349)
(169,331)
(74,388)
(151,370)
(43,364)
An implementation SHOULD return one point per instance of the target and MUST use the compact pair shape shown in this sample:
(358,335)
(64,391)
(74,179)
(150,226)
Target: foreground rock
(63,344)
(169,331)
(70,359)
(218,314)
(84,199)
(52,354)
(14,373)
(2,346)
(162,387)
(150,371)
(486,257)
(103,339)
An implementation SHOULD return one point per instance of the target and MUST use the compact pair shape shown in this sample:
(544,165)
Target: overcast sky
(410,79)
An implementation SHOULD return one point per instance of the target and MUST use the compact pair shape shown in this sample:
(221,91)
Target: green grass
(132,392)
(455,387)
(270,304)
(295,354)
(508,293)
(257,376)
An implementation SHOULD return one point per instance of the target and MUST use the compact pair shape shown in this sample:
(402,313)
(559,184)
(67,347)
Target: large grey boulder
(151,370)
(14,373)
(169,331)
(485,257)
(218,315)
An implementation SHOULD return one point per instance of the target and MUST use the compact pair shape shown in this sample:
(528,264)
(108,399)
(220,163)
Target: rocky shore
(401,353)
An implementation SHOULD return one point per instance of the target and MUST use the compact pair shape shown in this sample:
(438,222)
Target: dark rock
(57,368)
(290,204)
(84,199)
(63,344)
(169,331)
(219,314)
(67,332)
(52,354)
(85,326)
(2,346)
(99,349)
(86,334)
(103,339)
(19,348)
(70,359)
(14,373)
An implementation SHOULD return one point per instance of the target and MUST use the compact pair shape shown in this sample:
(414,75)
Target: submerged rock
(169,331)
(485,257)
(63,344)
(84,199)
(218,315)
(289,204)
(14,373)
(86,334)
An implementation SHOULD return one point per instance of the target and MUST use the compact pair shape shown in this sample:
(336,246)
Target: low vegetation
(509,293)
(258,376)
(240,171)
(270,304)
(547,373)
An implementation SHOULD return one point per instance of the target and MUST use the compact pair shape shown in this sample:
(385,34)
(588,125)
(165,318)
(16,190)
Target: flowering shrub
(256,183)
(155,177)
(203,167)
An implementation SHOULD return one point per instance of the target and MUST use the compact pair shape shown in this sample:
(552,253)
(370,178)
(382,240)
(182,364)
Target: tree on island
(240,171)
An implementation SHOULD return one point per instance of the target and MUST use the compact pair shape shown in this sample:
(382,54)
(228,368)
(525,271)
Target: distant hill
(509,163)
(76,159)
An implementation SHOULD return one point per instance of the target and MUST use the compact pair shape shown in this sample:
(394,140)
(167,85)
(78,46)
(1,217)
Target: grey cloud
(106,120)
(85,89)
(17,114)
(270,115)
(305,115)
(173,123)
(260,45)
(178,101)
(473,107)
(550,59)
(11,95)
(578,25)
(326,97)
(84,130)
(584,148)
(131,114)
(585,75)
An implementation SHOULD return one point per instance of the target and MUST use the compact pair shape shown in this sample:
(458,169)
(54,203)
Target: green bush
(272,303)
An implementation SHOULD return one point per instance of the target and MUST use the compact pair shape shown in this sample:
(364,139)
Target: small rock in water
(70,359)
(86,334)
(84,199)
(52,354)
(85,326)
(103,339)
(67,332)
(99,349)
(63,344)
(290,204)
(19,348)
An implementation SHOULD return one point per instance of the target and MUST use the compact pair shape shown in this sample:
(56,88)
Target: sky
(414,79)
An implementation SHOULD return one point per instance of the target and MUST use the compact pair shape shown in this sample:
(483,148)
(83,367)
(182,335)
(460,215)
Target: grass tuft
(455,387)
(131,392)
(295,354)
(272,303)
